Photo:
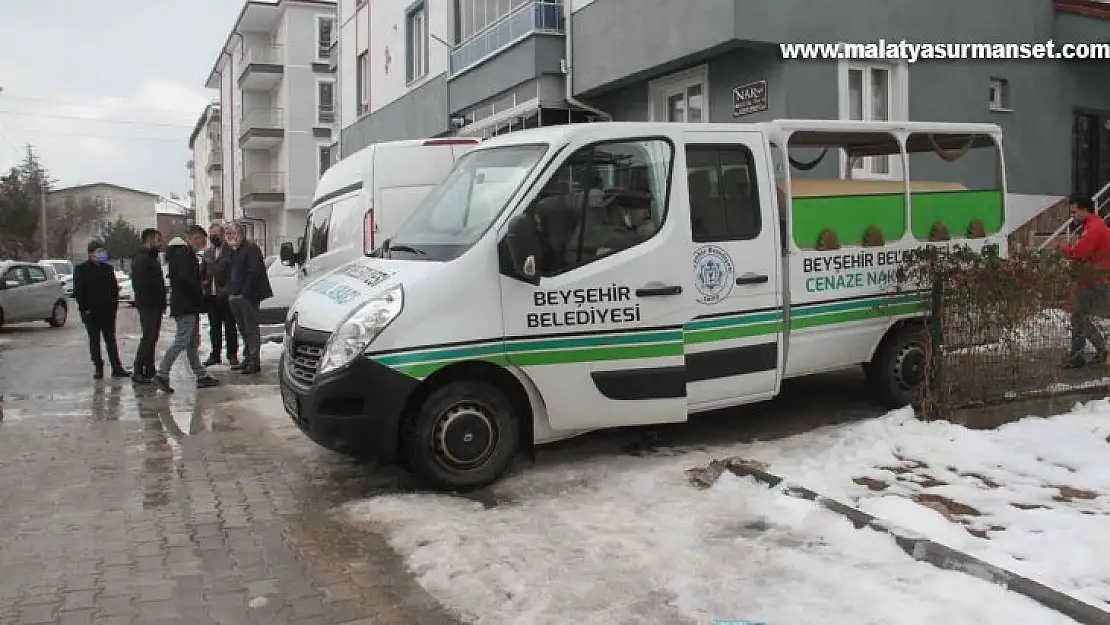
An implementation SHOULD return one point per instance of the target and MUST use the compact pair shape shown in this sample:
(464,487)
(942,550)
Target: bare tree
(70,215)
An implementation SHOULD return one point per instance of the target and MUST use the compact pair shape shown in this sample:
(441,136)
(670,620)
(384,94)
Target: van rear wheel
(464,436)
(898,370)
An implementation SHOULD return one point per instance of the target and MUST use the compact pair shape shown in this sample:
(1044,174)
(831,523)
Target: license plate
(289,399)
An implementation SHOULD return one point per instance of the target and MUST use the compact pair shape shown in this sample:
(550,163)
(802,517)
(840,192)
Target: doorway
(1090,151)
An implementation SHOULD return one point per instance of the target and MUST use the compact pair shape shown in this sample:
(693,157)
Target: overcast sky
(108,91)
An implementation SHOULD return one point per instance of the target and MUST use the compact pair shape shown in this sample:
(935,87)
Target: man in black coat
(247,287)
(186,304)
(214,273)
(150,300)
(97,294)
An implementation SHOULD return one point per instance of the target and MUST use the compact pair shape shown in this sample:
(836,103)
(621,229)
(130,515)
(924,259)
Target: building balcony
(262,129)
(532,18)
(261,68)
(264,189)
(215,160)
(215,209)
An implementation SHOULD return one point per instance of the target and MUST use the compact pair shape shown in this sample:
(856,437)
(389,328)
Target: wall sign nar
(749,98)
(714,274)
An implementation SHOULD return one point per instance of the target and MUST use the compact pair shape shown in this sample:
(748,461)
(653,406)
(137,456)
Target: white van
(364,198)
(587,276)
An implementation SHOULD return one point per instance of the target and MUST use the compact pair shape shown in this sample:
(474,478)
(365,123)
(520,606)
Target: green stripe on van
(650,343)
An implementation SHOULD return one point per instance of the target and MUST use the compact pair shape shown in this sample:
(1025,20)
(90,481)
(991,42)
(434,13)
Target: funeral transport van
(573,278)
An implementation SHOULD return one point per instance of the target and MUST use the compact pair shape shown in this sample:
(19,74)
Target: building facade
(206,166)
(481,67)
(138,208)
(278,109)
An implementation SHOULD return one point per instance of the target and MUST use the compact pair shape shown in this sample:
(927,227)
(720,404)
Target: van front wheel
(464,436)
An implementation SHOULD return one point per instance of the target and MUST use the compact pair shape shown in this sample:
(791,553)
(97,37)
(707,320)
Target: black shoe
(212,360)
(162,383)
(140,380)
(98,372)
(233,361)
(251,367)
(207,382)
(121,373)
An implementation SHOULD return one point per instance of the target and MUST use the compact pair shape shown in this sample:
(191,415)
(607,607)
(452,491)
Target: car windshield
(63,268)
(460,210)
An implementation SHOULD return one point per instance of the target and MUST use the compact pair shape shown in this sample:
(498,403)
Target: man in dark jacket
(150,300)
(97,294)
(221,323)
(186,304)
(247,287)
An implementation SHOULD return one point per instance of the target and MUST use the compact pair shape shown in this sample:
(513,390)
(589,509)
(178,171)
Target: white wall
(577,5)
(202,181)
(348,55)
(387,32)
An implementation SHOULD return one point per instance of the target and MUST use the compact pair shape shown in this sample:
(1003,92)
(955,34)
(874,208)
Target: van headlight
(357,331)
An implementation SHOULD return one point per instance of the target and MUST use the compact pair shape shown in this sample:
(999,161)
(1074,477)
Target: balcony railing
(326,115)
(268,55)
(536,17)
(273,118)
(262,182)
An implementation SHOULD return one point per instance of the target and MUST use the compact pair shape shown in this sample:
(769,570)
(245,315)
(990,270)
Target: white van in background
(362,200)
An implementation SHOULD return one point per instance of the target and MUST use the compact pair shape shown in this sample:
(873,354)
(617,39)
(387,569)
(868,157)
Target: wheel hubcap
(465,436)
(909,368)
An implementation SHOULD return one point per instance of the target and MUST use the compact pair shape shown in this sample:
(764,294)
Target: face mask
(215,239)
(101,257)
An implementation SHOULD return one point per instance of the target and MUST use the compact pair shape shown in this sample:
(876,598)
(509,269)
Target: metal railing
(1102,207)
(269,55)
(263,118)
(534,17)
(262,182)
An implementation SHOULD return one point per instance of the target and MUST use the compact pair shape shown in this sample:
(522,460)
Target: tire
(438,441)
(1,318)
(58,315)
(897,372)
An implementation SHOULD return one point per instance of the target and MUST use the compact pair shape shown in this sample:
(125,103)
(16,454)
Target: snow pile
(624,539)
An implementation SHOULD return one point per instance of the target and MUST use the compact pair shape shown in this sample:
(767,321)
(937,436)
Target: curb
(937,554)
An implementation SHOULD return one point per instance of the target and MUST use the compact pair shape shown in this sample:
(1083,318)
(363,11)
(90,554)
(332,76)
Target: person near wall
(1092,255)
(149,284)
(214,274)
(186,304)
(97,294)
(248,286)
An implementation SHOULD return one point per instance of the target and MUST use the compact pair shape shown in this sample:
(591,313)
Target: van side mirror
(520,250)
(288,255)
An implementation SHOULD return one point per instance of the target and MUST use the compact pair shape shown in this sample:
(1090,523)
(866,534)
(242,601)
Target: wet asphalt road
(122,506)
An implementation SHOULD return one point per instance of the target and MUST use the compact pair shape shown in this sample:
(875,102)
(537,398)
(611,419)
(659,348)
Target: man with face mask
(97,294)
(214,274)
(248,285)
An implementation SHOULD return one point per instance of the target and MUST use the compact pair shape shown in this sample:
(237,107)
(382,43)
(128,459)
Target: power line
(63,133)
(8,96)
(133,122)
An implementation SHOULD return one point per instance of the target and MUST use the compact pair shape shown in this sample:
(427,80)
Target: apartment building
(277,100)
(206,166)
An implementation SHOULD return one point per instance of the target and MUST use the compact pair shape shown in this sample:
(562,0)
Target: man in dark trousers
(1092,253)
(186,304)
(150,301)
(221,323)
(247,287)
(97,294)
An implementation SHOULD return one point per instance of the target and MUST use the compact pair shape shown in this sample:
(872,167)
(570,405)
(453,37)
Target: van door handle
(752,278)
(658,291)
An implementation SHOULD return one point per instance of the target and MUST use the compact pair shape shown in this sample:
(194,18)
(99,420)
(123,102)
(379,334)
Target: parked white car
(31,292)
(283,281)
(64,269)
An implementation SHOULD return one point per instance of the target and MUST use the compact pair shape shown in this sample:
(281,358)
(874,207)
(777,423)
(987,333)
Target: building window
(474,16)
(874,93)
(681,97)
(416,43)
(325,101)
(999,94)
(324,155)
(325,35)
(362,83)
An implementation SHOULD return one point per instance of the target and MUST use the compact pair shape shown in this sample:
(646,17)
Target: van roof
(567,132)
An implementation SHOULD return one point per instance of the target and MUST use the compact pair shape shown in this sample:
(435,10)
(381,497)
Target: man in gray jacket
(214,275)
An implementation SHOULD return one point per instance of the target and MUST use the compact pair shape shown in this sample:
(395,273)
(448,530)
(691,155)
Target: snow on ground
(627,540)
(270,352)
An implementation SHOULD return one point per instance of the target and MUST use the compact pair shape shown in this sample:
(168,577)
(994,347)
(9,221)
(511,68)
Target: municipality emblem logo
(714,274)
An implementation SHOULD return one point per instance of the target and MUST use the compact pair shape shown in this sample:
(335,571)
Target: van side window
(724,198)
(603,199)
(318,231)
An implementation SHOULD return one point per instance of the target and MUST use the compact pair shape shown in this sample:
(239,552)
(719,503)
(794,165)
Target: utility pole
(42,216)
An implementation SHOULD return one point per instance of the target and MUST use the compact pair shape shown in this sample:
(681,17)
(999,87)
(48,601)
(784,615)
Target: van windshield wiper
(407,248)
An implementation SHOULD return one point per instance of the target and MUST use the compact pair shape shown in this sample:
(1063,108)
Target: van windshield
(460,210)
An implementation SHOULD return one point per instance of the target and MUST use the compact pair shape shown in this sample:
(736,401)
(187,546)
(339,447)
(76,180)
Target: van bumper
(355,411)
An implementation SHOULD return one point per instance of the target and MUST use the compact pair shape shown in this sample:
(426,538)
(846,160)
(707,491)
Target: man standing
(150,300)
(97,294)
(1092,253)
(247,287)
(186,303)
(214,274)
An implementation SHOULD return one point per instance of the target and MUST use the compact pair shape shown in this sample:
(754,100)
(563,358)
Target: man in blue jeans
(186,305)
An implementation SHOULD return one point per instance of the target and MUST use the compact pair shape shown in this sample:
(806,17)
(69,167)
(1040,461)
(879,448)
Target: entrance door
(1090,152)
(601,335)
(733,344)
